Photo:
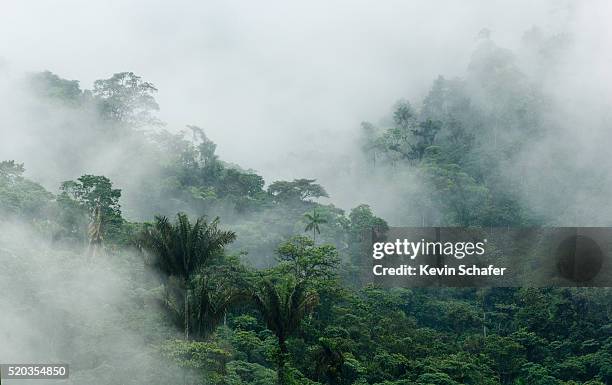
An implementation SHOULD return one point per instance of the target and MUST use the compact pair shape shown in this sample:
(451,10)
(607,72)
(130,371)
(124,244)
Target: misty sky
(267,80)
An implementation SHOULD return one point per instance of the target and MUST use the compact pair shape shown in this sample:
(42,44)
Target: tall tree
(300,257)
(298,190)
(283,304)
(216,288)
(288,293)
(182,248)
(126,98)
(314,221)
(92,196)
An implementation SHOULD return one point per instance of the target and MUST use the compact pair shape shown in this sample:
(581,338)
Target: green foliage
(300,257)
(51,86)
(246,373)
(283,305)
(458,195)
(300,321)
(81,198)
(180,250)
(296,191)
(215,289)
(461,143)
(89,191)
(363,219)
(197,358)
(20,196)
(197,181)
(314,220)
(125,98)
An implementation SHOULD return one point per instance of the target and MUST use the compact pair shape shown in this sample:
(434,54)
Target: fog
(282,88)
(59,307)
(274,83)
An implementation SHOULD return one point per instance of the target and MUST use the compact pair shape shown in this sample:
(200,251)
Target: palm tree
(314,221)
(181,249)
(283,306)
(214,293)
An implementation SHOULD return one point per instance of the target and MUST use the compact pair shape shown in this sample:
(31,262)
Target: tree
(361,218)
(93,190)
(298,190)
(240,184)
(20,196)
(328,361)
(10,170)
(507,356)
(283,304)
(462,198)
(206,147)
(95,196)
(181,249)
(425,134)
(51,86)
(536,374)
(300,257)
(286,294)
(314,221)
(125,98)
(403,115)
(216,288)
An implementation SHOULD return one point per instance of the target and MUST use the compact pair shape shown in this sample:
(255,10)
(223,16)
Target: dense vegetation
(267,294)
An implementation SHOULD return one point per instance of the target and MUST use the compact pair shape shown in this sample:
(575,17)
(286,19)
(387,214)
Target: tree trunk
(484,323)
(283,376)
(186,314)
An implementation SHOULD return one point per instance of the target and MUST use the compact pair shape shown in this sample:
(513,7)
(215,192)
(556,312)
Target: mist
(282,90)
(59,307)
(285,91)
(275,85)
